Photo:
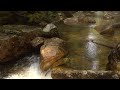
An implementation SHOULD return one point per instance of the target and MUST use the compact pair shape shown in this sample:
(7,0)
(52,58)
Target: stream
(83,55)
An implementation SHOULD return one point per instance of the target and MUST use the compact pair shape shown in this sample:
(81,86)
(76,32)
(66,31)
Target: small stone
(49,27)
(37,41)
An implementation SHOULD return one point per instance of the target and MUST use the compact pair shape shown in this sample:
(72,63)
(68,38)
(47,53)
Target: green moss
(27,17)
(39,16)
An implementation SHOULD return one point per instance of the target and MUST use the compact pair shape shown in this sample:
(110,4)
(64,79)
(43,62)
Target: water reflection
(95,65)
(91,50)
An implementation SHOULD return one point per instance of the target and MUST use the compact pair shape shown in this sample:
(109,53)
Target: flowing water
(83,55)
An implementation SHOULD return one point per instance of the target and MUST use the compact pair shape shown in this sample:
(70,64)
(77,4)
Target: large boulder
(51,52)
(15,40)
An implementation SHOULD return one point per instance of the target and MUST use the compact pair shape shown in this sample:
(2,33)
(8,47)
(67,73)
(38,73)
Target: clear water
(87,55)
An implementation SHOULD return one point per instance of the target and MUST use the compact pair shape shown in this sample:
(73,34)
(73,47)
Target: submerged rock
(15,40)
(105,29)
(51,52)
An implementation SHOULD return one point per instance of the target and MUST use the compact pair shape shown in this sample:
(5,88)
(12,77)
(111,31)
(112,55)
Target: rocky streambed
(20,48)
(32,52)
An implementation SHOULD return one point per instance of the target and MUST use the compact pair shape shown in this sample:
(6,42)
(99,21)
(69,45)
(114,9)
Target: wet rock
(15,40)
(43,24)
(85,17)
(116,25)
(86,20)
(108,15)
(68,73)
(37,41)
(115,66)
(49,27)
(80,19)
(89,13)
(52,51)
(105,29)
(68,13)
(61,16)
(71,21)
(50,30)
(114,59)
(108,31)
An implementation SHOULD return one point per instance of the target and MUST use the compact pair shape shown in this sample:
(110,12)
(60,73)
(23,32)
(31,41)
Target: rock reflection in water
(25,68)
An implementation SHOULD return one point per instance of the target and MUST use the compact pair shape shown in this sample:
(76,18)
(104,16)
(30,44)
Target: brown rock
(71,21)
(68,73)
(79,20)
(52,51)
(86,20)
(37,41)
(105,29)
(15,40)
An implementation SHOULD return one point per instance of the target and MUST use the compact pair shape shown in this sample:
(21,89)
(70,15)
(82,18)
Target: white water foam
(31,72)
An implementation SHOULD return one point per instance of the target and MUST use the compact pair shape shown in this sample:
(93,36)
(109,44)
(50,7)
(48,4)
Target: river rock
(69,73)
(49,27)
(75,19)
(105,29)
(108,15)
(15,40)
(86,20)
(79,20)
(50,30)
(68,13)
(52,51)
(116,25)
(71,21)
(37,41)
